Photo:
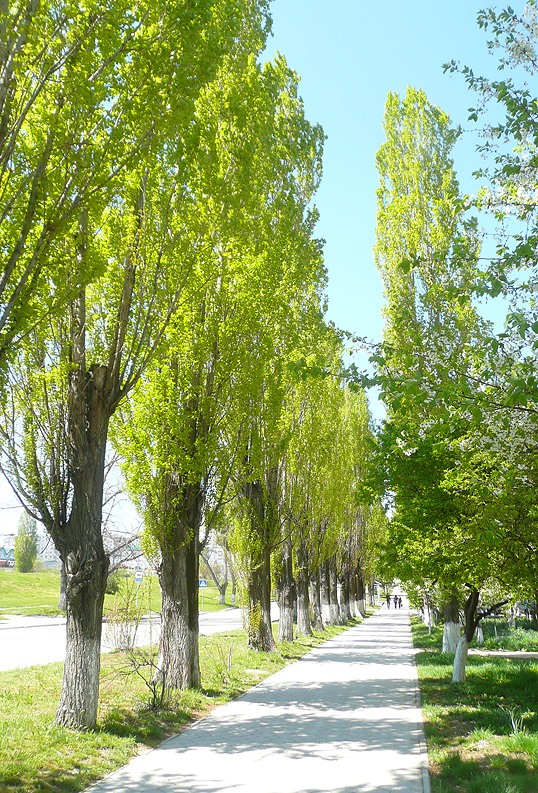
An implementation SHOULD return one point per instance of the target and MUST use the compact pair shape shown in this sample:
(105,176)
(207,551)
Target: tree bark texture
(345,595)
(178,664)
(361,593)
(261,505)
(325,593)
(259,629)
(352,595)
(86,583)
(286,595)
(316,619)
(429,613)
(304,627)
(460,660)
(371,593)
(62,600)
(80,542)
(334,609)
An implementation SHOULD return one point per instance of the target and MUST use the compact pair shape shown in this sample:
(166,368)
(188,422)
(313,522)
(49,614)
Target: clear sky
(349,55)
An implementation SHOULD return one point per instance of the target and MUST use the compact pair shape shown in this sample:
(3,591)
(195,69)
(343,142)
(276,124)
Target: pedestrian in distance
(388,601)
(395,600)
(399,602)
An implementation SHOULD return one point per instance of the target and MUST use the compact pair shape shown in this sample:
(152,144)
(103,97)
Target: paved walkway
(344,719)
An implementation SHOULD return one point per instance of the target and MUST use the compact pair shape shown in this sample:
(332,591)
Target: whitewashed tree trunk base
(451,637)
(460,660)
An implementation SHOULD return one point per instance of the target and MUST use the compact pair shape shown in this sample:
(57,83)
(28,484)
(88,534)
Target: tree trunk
(361,593)
(352,588)
(258,617)
(222,593)
(224,586)
(260,499)
(429,613)
(345,596)
(80,543)
(86,583)
(371,593)
(62,600)
(286,596)
(452,628)
(512,619)
(460,658)
(178,664)
(304,627)
(534,612)
(325,593)
(334,609)
(316,619)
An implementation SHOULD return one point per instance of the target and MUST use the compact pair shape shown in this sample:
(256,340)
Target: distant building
(7,541)
(47,553)
(213,552)
(125,552)
(7,557)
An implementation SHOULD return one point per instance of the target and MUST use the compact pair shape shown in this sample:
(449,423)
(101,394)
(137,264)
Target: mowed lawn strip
(37,593)
(35,755)
(482,735)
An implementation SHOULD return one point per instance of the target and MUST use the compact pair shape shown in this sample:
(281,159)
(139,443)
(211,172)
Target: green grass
(37,593)
(29,593)
(35,755)
(482,735)
(498,635)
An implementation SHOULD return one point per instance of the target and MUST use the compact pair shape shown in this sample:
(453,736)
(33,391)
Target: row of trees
(457,453)
(161,281)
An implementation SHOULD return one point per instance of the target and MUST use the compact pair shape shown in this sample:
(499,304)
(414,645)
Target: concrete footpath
(344,719)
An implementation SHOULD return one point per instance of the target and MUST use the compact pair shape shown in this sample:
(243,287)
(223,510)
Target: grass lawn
(37,593)
(482,735)
(35,755)
(29,593)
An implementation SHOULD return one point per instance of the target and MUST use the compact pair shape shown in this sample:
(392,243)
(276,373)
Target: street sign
(139,576)
(203,583)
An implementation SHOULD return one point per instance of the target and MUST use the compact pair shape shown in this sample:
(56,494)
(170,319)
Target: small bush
(115,582)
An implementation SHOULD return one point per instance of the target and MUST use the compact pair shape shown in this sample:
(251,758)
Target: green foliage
(453,522)
(25,544)
(115,581)
(71,148)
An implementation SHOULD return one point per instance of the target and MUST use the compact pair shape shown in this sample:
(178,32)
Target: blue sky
(349,55)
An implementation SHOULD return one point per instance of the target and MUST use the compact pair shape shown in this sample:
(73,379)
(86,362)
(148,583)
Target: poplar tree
(116,325)
(429,334)
(25,549)
(185,439)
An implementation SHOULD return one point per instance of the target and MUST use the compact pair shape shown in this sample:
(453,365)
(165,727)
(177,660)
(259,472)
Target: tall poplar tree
(252,250)
(421,237)
(117,324)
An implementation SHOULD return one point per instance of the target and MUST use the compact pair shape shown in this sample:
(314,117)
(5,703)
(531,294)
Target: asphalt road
(34,641)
